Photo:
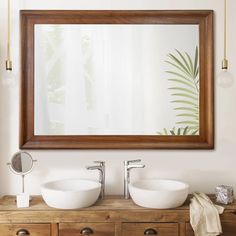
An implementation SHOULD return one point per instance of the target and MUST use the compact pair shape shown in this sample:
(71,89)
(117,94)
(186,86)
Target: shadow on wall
(55,165)
(198,180)
(206,181)
(6,146)
(9,97)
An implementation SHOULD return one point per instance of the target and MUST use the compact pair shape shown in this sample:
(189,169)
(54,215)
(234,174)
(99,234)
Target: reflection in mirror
(116,79)
(22,162)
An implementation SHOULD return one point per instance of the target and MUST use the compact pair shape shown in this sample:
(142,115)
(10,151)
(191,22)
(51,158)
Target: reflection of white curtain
(42,118)
(75,106)
(100,75)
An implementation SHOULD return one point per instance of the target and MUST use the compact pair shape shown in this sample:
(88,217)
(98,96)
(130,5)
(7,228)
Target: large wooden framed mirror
(117,79)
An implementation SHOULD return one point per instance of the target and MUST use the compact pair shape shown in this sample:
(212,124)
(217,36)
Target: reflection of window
(54,77)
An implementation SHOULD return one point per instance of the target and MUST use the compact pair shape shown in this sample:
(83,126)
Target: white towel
(204,216)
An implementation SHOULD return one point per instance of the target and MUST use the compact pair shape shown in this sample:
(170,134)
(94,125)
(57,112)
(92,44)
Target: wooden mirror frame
(203,18)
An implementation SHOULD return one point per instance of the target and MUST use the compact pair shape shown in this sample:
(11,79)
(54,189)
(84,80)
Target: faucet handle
(132,161)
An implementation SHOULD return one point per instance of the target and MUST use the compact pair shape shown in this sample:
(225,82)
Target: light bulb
(225,79)
(8,78)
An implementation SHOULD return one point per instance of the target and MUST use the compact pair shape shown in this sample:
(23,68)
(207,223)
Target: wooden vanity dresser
(113,216)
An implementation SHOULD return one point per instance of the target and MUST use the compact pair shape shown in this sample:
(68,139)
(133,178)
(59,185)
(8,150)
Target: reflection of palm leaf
(179,131)
(185,91)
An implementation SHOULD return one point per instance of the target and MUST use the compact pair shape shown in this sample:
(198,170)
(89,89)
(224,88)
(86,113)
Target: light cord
(9,32)
(225,29)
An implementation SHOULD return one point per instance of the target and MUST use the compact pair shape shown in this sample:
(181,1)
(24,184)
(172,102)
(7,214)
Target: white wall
(203,170)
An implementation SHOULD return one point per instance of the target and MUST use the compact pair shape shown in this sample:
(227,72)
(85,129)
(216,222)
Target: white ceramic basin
(159,194)
(71,194)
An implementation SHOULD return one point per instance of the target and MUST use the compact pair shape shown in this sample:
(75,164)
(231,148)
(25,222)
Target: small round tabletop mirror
(21,163)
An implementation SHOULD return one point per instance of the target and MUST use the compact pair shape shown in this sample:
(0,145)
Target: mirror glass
(21,163)
(123,79)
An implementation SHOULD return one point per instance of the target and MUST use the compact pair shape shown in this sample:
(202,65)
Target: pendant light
(8,75)
(225,79)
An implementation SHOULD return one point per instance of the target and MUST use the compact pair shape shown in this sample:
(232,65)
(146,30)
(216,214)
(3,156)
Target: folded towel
(204,216)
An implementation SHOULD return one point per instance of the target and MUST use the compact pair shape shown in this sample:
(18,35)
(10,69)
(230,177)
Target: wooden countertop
(111,209)
(7,203)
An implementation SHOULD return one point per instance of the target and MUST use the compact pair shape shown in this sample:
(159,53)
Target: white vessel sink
(71,194)
(159,194)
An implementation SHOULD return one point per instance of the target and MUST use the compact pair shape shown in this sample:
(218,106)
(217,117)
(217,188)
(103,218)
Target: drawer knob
(86,231)
(22,232)
(150,232)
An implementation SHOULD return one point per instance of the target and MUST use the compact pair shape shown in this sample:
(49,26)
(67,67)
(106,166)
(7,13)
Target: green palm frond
(181,83)
(184,89)
(179,131)
(189,91)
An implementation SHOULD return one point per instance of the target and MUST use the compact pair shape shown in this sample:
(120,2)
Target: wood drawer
(229,229)
(32,229)
(99,229)
(140,229)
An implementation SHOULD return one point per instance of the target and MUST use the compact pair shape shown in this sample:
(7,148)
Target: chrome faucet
(101,168)
(128,165)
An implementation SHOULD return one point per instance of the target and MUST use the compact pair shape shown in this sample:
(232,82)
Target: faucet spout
(128,165)
(135,166)
(101,169)
(93,167)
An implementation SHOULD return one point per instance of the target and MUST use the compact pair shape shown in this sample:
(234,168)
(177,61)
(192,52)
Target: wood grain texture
(33,229)
(99,229)
(112,209)
(118,230)
(111,202)
(182,228)
(115,202)
(229,229)
(138,229)
(54,230)
(111,216)
(203,18)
